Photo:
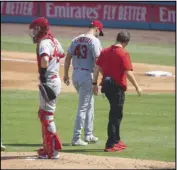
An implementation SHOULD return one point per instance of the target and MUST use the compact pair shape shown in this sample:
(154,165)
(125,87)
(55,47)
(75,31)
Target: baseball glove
(47,92)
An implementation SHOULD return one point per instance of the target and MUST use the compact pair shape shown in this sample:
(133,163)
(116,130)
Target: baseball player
(49,52)
(83,51)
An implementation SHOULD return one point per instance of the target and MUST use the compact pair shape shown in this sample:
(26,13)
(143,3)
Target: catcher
(49,52)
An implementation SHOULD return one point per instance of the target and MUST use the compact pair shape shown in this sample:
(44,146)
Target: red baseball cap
(99,25)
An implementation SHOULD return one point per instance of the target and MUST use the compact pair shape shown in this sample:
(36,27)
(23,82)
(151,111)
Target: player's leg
(88,129)
(80,117)
(120,101)
(89,120)
(51,141)
(116,98)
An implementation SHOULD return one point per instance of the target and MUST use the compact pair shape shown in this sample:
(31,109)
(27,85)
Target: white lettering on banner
(109,12)
(172,16)
(113,12)
(30,8)
(48,8)
(106,12)
(132,13)
(78,13)
(163,14)
(67,11)
(19,8)
(167,15)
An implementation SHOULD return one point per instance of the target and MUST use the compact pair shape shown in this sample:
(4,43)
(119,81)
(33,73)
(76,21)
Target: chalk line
(21,60)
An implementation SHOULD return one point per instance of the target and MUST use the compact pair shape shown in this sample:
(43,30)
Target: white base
(159,73)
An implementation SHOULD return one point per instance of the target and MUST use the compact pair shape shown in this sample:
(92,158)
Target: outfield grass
(142,53)
(148,126)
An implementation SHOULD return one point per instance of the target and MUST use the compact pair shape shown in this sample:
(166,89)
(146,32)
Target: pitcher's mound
(28,160)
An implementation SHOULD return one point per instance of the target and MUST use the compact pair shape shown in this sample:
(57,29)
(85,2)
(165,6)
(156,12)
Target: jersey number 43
(81,51)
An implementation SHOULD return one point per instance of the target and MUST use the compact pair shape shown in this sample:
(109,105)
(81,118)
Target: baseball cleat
(56,155)
(79,142)
(121,144)
(43,155)
(91,139)
(3,148)
(113,149)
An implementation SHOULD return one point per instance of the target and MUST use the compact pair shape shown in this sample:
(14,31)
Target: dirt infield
(77,161)
(17,73)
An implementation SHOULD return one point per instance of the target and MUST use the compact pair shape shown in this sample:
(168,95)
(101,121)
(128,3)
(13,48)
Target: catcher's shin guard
(51,140)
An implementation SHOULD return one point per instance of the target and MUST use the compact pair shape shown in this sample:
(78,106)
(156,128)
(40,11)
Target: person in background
(115,65)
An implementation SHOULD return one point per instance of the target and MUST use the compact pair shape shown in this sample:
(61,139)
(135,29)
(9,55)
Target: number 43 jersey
(53,49)
(84,50)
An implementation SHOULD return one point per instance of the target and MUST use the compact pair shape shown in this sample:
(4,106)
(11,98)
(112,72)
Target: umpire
(115,65)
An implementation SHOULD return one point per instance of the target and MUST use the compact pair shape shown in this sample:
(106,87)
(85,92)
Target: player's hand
(139,91)
(95,89)
(66,80)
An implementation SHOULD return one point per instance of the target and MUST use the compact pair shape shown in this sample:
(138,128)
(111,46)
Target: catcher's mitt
(47,92)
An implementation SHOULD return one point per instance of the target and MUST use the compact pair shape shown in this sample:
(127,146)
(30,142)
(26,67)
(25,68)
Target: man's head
(38,28)
(123,37)
(97,28)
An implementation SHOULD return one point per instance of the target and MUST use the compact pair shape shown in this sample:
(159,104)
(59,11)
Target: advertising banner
(114,11)
(112,14)
(19,8)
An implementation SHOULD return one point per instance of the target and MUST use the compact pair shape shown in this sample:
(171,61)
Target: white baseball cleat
(3,148)
(56,155)
(79,142)
(42,154)
(91,139)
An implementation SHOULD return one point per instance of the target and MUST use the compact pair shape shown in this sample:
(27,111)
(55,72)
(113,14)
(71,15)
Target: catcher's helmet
(38,27)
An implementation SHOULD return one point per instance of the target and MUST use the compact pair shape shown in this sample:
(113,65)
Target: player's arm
(66,68)
(95,79)
(96,74)
(67,64)
(129,72)
(44,53)
(43,69)
(132,79)
(60,49)
(96,50)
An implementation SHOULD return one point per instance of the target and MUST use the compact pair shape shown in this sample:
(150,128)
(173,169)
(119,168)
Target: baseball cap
(99,25)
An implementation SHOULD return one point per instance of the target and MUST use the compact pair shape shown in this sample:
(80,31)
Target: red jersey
(114,61)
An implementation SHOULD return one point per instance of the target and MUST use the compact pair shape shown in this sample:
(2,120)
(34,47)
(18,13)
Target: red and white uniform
(53,49)
(50,47)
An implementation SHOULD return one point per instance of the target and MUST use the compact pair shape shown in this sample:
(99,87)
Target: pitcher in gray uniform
(84,50)
(49,52)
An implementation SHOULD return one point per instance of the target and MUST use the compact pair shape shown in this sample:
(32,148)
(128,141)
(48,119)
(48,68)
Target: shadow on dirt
(23,145)
(76,150)
(81,150)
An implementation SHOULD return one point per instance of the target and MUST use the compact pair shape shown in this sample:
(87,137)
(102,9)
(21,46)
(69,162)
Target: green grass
(143,53)
(148,126)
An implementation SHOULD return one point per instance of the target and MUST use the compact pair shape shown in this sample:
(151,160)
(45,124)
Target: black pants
(116,97)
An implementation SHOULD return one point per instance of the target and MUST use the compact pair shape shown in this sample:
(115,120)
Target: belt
(75,68)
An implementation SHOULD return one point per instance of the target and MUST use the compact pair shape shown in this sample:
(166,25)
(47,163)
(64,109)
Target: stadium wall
(124,15)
